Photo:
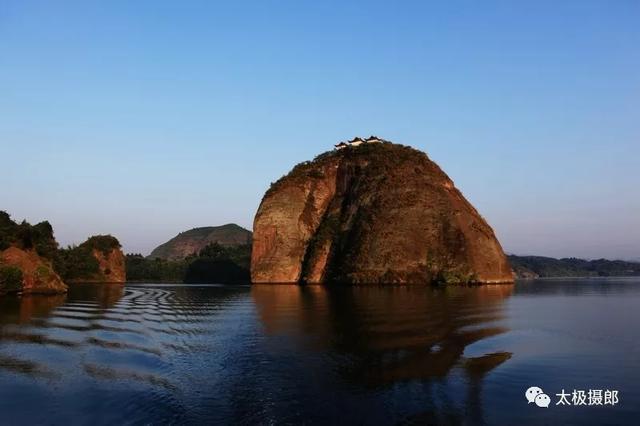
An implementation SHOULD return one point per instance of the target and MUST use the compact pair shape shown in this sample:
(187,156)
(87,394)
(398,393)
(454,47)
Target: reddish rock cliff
(38,275)
(104,260)
(377,213)
(111,265)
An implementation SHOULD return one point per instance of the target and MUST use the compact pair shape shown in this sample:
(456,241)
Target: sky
(144,119)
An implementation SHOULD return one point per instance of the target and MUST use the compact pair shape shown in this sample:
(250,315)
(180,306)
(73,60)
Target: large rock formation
(376,213)
(31,273)
(192,241)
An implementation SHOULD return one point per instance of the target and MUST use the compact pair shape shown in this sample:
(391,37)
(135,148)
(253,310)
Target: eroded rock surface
(38,275)
(376,213)
(111,264)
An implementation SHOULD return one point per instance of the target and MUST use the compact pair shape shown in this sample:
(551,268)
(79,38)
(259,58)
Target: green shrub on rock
(11,279)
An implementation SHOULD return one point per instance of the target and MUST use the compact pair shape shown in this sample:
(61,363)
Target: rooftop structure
(357,141)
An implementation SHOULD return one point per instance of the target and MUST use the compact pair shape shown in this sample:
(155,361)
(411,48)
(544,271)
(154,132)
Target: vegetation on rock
(75,263)
(37,237)
(10,279)
(26,255)
(547,267)
(103,243)
(95,260)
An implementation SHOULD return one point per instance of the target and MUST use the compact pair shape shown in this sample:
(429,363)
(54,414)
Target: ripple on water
(148,354)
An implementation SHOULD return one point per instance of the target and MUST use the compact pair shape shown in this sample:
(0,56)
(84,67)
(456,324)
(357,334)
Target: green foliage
(454,278)
(76,263)
(10,279)
(306,169)
(4,243)
(43,240)
(37,237)
(214,251)
(7,230)
(142,269)
(43,273)
(71,263)
(216,271)
(103,243)
(239,254)
(214,263)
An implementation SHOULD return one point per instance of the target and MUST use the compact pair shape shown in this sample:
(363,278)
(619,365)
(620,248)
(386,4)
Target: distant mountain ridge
(192,241)
(547,267)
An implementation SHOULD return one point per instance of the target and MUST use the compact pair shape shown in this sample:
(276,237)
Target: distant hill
(214,264)
(546,267)
(192,241)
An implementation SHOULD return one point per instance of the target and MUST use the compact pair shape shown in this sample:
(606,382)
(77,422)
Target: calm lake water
(153,354)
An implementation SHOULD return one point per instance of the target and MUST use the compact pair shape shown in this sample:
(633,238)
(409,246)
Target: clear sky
(146,118)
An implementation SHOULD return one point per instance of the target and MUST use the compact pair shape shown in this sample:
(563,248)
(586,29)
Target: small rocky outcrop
(26,272)
(98,260)
(111,265)
(26,255)
(109,260)
(32,262)
(373,213)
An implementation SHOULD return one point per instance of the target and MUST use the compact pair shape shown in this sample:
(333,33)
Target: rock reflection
(105,295)
(391,335)
(21,310)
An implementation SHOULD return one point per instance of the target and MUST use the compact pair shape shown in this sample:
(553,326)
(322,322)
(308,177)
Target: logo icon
(537,396)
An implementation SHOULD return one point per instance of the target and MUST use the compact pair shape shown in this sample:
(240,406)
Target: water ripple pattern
(286,354)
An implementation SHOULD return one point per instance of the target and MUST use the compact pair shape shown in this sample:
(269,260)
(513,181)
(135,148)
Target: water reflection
(596,286)
(105,295)
(150,354)
(129,351)
(392,335)
(21,310)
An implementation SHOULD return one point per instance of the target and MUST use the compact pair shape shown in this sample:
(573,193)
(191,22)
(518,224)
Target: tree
(11,279)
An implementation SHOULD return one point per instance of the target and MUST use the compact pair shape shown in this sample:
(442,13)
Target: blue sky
(147,118)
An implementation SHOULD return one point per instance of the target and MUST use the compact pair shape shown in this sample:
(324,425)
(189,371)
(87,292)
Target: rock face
(111,265)
(106,250)
(194,240)
(376,213)
(38,275)
(26,255)
(97,260)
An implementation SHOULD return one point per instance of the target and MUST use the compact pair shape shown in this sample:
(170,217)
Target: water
(152,354)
